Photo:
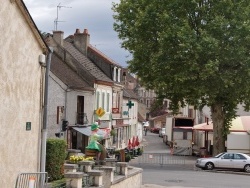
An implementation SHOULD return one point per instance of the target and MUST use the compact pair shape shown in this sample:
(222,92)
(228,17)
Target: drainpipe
(45,114)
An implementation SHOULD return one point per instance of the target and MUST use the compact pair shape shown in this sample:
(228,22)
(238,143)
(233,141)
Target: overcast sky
(94,15)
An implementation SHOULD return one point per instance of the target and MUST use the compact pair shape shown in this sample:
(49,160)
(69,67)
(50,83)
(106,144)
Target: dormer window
(114,76)
(117,74)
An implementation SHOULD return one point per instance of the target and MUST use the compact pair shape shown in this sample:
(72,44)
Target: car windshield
(219,155)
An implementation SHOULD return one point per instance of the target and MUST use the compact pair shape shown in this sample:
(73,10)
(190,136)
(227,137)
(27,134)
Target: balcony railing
(81,118)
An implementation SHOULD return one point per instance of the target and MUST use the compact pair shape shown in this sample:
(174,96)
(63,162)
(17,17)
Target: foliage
(55,155)
(191,52)
(58,183)
(158,108)
(140,151)
(128,157)
(76,159)
(112,132)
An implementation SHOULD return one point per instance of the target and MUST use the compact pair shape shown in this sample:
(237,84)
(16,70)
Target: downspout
(45,114)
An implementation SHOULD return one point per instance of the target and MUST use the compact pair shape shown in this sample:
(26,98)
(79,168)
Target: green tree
(158,108)
(192,52)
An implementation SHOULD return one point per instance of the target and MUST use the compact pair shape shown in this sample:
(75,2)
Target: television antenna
(59,6)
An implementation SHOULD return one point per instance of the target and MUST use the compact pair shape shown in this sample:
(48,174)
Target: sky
(94,15)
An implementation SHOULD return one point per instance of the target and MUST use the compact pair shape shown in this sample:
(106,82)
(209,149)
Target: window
(116,99)
(108,96)
(228,156)
(97,99)
(190,113)
(103,100)
(115,74)
(119,75)
(80,110)
(239,156)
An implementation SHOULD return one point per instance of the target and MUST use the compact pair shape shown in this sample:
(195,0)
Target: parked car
(154,130)
(162,132)
(225,161)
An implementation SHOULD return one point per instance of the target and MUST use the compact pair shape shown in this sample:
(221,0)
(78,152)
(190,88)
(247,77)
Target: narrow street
(153,144)
(179,171)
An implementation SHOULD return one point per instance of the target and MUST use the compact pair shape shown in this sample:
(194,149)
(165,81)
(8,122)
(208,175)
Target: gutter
(45,114)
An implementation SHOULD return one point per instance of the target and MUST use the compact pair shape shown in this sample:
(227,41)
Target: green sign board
(130,104)
(28,126)
(125,113)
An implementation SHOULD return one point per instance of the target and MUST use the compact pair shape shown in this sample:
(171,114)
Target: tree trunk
(218,128)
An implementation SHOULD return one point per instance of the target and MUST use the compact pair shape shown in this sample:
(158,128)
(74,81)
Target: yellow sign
(100,112)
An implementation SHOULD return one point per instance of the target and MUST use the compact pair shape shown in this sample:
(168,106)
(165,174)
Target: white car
(225,160)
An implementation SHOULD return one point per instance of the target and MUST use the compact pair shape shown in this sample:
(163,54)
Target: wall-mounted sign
(119,122)
(130,104)
(100,112)
(104,124)
(28,126)
(106,116)
(125,113)
(115,110)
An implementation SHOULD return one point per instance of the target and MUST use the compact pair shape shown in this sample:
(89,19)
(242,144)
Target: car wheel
(209,166)
(247,168)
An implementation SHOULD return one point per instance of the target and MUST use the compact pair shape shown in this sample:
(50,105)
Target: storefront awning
(239,124)
(84,130)
(87,130)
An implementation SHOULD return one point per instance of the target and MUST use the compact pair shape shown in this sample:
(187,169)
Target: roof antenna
(59,6)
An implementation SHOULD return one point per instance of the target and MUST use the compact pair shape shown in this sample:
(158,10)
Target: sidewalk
(159,186)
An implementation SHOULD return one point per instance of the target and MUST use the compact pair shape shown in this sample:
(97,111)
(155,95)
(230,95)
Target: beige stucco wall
(134,181)
(20,98)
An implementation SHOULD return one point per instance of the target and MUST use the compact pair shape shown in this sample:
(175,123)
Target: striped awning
(239,124)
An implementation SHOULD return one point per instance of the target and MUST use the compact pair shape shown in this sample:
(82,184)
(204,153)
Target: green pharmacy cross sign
(130,104)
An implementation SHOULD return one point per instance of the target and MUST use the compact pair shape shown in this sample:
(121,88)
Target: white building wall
(71,105)
(132,117)
(107,103)
(57,97)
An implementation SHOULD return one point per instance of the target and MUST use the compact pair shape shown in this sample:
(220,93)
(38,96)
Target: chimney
(81,40)
(58,37)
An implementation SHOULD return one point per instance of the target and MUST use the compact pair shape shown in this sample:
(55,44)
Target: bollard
(32,182)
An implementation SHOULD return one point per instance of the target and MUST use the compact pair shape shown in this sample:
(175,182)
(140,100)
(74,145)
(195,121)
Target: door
(80,110)
(239,161)
(226,161)
(74,139)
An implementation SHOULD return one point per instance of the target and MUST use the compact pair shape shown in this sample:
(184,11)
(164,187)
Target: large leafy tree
(192,52)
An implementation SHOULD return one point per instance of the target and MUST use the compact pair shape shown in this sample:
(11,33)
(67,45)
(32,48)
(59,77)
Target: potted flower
(75,159)
(112,132)
(140,151)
